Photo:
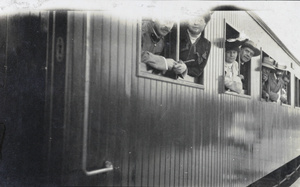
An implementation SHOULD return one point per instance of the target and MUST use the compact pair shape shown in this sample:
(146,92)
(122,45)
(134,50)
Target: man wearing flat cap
(153,33)
(248,50)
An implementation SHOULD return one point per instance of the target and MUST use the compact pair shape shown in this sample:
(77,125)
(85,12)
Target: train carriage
(102,121)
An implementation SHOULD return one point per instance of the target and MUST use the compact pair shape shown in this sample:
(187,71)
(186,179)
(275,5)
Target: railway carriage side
(109,123)
(159,131)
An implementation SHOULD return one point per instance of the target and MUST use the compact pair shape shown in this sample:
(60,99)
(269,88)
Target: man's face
(230,56)
(196,25)
(279,73)
(286,80)
(246,54)
(265,73)
(163,26)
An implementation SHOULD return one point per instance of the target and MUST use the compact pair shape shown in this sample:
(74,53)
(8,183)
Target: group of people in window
(274,76)
(237,74)
(159,47)
(159,56)
(274,81)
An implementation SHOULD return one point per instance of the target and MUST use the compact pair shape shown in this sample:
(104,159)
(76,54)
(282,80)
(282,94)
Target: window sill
(264,101)
(286,105)
(169,80)
(238,95)
(276,103)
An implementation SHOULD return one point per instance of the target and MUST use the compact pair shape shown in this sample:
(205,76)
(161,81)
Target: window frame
(297,92)
(265,54)
(226,22)
(143,74)
(261,88)
(289,91)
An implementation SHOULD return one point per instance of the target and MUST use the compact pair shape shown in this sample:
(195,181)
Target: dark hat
(233,44)
(268,62)
(280,67)
(250,44)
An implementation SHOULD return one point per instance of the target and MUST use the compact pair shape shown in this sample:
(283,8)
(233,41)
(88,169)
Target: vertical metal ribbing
(86,96)
(177,40)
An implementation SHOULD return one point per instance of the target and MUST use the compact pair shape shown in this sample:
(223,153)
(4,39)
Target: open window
(176,45)
(297,92)
(275,86)
(267,67)
(243,68)
(286,88)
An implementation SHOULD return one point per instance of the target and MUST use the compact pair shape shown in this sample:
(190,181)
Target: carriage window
(237,66)
(171,52)
(275,81)
(297,92)
(153,48)
(267,67)
(285,92)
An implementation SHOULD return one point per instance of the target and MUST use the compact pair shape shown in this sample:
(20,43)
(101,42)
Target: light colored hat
(268,62)
(281,67)
(189,13)
(250,44)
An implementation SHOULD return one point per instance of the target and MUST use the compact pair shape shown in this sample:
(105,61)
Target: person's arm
(196,68)
(156,61)
(178,69)
(163,64)
(272,95)
(265,94)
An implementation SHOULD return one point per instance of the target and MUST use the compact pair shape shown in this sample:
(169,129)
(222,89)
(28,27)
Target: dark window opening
(286,89)
(268,66)
(297,92)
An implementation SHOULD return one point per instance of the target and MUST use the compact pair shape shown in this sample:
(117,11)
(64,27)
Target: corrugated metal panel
(163,134)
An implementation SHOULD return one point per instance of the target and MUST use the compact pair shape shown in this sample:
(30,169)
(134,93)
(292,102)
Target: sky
(282,17)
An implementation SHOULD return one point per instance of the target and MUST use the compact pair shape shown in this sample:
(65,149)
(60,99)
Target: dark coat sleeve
(196,68)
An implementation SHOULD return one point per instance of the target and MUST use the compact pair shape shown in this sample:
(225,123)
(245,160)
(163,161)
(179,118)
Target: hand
(171,63)
(283,98)
(267,97)
(265,77)
(179,67)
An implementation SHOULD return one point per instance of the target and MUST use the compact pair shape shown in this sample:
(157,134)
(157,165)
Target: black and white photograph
(149,93)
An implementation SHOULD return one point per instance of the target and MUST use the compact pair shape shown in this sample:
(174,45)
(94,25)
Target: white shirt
(192,38)
(228,69)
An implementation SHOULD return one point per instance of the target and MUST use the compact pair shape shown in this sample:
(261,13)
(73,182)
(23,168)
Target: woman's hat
(268,62)
(281,67)
(233,44)
(250,44)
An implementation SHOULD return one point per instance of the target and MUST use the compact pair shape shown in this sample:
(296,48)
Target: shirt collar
(192,38)
(228,64)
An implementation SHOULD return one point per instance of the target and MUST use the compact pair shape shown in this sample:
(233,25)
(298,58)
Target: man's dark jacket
(199,51)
